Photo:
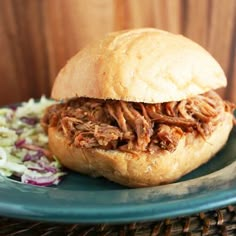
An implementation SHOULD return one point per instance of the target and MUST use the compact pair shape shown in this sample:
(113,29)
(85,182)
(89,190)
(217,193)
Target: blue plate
(82,199)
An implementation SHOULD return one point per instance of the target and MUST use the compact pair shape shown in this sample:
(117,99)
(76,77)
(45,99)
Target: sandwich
(138,107)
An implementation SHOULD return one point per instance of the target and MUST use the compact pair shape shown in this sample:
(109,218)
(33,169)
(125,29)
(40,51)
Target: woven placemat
(215,222)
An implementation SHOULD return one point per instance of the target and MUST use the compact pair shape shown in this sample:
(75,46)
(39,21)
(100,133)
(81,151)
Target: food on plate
(24,154)
(139,108)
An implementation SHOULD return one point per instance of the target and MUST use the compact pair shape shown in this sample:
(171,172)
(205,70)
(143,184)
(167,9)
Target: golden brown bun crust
(143,65)
(143,169)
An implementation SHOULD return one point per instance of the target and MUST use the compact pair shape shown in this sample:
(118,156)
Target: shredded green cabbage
(23,144)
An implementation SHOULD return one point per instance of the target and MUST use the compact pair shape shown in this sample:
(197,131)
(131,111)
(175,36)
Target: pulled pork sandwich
(138,108)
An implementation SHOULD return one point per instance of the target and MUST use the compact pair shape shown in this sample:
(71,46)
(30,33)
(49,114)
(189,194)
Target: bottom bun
(142,169)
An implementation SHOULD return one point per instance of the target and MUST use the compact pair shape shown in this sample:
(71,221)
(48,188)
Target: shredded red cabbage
(18,131)
(19,143)
(13,107)
(40,181)
(48,168)
(29,120)
(33,157)
(33,162)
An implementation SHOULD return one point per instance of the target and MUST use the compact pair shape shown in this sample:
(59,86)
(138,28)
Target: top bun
(140,65)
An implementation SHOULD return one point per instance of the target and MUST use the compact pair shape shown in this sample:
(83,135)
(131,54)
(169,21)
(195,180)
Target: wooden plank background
(38,36)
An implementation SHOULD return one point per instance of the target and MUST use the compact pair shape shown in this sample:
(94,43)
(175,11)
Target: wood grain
(221,34)
(168,15)
(37,37)
(196,21)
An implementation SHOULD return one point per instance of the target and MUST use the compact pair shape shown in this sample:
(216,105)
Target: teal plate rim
(82,199)
(129,205)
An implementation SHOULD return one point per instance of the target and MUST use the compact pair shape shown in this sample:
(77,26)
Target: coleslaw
(24,152)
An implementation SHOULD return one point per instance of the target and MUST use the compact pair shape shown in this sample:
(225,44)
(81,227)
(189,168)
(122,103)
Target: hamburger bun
(149,66)
(141,65)
(142,169)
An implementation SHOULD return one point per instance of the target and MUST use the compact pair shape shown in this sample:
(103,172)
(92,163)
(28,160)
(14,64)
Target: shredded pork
(131,126)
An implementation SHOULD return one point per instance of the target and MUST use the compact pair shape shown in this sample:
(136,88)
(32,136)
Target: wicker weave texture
(215,222)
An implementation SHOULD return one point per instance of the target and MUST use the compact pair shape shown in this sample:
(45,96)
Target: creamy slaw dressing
(23,144)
